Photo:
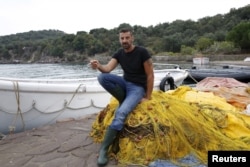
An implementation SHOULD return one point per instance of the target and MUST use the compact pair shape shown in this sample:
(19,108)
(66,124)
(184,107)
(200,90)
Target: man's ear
(133,38)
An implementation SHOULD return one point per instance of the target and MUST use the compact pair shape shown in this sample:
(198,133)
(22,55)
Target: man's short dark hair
(123,30)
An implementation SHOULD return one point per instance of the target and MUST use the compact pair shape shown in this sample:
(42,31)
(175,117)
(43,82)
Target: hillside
(217,35)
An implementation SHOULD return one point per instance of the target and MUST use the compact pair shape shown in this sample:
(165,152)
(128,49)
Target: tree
(172,43)
(186,50)
(78,43)
(223,47)
(203,43)
(240,35)
(124,25)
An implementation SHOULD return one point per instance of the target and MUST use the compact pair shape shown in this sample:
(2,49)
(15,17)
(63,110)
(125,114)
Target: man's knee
(101,77)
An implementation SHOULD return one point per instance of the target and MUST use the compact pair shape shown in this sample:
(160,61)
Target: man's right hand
(94,64)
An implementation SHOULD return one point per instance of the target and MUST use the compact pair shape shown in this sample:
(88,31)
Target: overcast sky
(70,16)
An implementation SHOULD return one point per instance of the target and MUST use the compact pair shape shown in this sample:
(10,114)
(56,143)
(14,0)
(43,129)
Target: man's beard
(126,45)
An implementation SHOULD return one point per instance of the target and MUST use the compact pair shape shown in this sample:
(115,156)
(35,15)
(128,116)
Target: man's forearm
(150,87)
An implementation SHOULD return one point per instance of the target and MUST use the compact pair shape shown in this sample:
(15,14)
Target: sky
(71,16)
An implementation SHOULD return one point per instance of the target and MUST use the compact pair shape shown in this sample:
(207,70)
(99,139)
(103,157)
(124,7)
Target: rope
(76,91)
(173,125)
(66,104)
(17,93)
(192,77)
(92,104)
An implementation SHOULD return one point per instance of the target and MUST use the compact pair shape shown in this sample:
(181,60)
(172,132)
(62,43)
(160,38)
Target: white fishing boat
(200,60)
(247,59)
(32,103)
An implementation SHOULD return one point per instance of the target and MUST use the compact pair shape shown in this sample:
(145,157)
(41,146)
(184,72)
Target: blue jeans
(127,93)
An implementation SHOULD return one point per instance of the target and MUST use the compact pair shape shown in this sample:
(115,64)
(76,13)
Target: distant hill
(34,36)
(220,34)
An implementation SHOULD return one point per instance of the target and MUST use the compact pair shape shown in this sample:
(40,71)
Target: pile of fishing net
(175,124)
(235,92)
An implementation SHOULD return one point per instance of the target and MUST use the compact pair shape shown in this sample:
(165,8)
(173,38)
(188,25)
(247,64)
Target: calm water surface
(51,71)
(56,71)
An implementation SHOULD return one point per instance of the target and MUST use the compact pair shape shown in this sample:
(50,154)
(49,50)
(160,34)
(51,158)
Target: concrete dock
(64,144)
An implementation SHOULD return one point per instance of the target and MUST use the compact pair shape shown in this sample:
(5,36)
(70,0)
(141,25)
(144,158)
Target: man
(134,87)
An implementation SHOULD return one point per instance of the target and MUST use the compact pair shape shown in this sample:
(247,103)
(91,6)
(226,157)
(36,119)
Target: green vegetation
(220,34)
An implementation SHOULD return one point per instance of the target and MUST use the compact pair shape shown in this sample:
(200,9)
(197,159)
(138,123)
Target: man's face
(126,39)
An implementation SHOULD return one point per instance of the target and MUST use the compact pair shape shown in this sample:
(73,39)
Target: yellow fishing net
(174,124)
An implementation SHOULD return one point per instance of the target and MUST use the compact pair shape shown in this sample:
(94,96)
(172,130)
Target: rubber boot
(115,145)
(108,140)
(118,93)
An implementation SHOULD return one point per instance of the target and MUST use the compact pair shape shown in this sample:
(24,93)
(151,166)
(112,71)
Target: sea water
(47,71)
(52,71)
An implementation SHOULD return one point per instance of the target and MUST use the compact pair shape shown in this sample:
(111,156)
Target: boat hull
(32,103)
(28,105)
(247,59)
(242,75)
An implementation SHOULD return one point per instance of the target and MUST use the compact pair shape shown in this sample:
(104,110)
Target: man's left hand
(144,99)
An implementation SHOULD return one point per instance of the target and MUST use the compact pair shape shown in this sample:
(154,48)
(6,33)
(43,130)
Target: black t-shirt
(132,64)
